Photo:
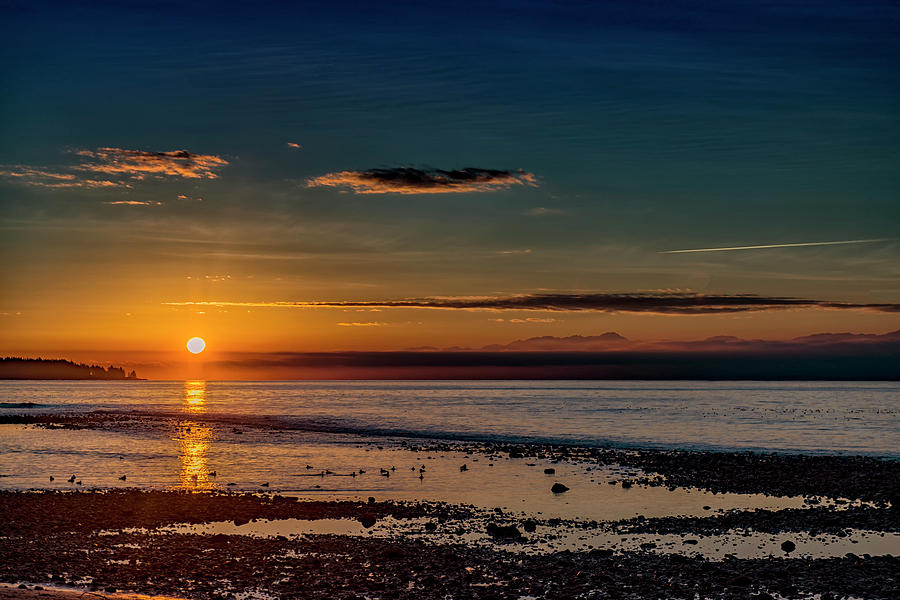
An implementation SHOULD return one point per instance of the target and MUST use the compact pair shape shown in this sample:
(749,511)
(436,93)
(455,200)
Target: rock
(503,531)
(371,499)
(550,471)
(529,526)
(788,546)
(367,520)
(559,488)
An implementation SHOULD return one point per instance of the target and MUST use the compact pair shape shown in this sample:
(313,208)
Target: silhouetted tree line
(13,367)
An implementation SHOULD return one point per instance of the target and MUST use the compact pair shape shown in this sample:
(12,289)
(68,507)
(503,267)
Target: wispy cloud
(514,252)
(407,180)
(669,303)
(119,168)
(765,246)
(54,180)
(543,211)
(362,324)
(135,203)
(294,145)
(140,163)
(528,320)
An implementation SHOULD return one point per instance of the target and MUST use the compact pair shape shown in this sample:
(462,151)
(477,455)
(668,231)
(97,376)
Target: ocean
(819,417)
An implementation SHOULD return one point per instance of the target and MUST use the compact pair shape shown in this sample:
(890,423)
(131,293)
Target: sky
(354,177)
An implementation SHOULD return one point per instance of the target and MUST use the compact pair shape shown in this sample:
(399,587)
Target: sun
(196,345)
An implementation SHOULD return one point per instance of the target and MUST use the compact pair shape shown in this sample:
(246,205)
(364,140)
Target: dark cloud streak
(648,303)
(408,180)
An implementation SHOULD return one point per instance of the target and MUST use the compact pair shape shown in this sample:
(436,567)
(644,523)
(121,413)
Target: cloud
(136,203)
(139,164)
(667,303)
(542,211)
(120,166)
(795,245)
(407,180)
(528,320)
(294,145)
(522,251)
(365,324)
(53,180)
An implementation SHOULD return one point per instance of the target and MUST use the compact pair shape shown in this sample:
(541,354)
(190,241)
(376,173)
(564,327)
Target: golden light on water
(194,396)
(193,439)
(196,345)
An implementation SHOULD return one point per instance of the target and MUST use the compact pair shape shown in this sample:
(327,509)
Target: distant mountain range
(12,367)
(611,341)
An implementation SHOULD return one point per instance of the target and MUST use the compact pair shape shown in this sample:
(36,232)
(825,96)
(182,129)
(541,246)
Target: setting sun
(196,345)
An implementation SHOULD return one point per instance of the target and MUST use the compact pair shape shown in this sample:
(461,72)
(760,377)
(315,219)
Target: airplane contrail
(727,249)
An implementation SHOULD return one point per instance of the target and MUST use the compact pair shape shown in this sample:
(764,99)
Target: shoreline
(780,473)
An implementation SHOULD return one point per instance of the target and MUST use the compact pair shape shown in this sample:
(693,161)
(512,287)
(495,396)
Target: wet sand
(104,541)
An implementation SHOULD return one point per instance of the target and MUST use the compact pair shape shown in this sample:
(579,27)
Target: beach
(183,498)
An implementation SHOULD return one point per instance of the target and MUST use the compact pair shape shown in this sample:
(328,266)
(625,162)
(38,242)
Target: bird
(421,476)
(72,479)
(78,482)
(361,472)
(464,468)
(393,468)
(123,477)
(266,484)
(51,478)
(385,472)
(212,473)
(309,466)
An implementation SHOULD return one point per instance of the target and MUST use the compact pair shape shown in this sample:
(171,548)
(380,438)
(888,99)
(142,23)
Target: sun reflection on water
(195,396)
(194,439)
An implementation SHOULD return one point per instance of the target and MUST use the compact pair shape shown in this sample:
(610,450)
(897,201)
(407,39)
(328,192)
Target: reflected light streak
(195,396)
(193,439)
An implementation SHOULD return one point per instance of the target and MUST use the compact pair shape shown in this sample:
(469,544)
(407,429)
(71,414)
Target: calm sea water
(851,417)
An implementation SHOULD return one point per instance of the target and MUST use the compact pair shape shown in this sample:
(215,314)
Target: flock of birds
(383,472)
